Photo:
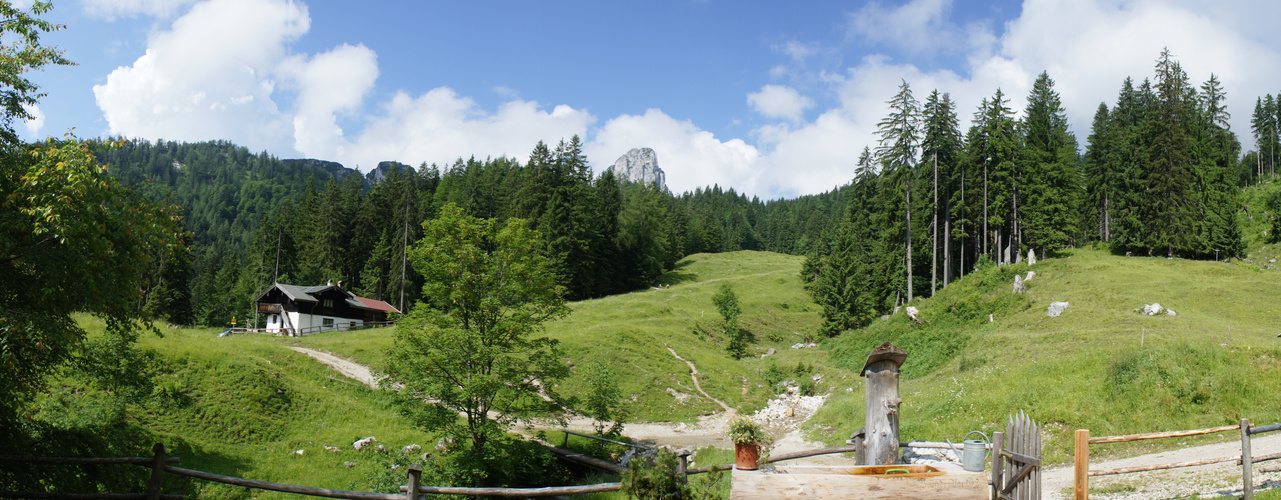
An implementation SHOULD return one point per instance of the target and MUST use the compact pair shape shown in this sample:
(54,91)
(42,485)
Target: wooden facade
(294,310)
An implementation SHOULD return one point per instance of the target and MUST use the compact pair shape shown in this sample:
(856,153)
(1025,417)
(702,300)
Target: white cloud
(36,122)
(691,157)
(915,26)
(111,9)
(441,126)
(330,83)
(778,101)
(200,80)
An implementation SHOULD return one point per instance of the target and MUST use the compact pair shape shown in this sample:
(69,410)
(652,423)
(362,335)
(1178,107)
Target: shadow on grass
(679,274)
(38,439)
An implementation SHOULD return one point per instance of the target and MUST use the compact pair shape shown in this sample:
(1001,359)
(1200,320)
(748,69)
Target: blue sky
(774,99)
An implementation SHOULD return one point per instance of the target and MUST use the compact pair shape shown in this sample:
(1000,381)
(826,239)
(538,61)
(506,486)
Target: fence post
(682,468)
(998,443)
(1081,479)
(1247,462)
(157,472)
(415,476)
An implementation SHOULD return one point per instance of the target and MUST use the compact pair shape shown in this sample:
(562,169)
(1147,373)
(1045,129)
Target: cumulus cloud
(778,101)
(111,9)
(198,81)
(691,157)
(915,26)
(441,126)
(1087,47)
(36,122)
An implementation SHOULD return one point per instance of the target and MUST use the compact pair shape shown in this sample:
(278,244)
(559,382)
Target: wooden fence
(300,332)
(1081,479)
(159,465)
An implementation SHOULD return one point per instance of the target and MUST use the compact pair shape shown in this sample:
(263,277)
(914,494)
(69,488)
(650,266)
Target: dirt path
(348,368)
(1218,480)
(709,430)
(693,375)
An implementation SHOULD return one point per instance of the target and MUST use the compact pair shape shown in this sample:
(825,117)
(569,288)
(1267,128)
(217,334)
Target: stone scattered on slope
(1056,308)
(1152,309)
(1031,257)
(1030,275)
(788,411)
(1018,285)
(912,313)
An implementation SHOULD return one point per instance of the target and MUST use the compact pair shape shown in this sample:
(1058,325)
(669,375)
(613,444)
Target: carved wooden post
(415,477)
(682,468)
(882,402)
(157,472)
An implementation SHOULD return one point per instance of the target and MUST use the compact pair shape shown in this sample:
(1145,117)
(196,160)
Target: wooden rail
(1245,460)
(299,332)
(159,468)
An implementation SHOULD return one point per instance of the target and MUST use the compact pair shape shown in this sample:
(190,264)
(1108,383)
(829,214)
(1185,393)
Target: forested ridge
(253,219)
(1160,175)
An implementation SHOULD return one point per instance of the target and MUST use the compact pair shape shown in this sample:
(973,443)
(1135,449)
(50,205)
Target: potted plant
(750,443)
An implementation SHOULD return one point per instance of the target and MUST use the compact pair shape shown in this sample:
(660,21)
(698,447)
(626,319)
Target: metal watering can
(974,454)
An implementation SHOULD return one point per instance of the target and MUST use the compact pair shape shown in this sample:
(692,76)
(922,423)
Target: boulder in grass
(1152,309)
(914,314)
(1030,275)
(362,443)
(1018,285)
(1031,257)
(1056,308)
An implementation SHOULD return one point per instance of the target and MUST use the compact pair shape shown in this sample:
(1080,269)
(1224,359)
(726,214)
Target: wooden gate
(1016,460)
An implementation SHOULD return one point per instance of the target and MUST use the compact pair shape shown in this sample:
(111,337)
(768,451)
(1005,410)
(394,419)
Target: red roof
(377,305)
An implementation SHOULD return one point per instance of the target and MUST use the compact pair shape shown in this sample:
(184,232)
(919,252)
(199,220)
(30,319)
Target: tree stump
(880,444)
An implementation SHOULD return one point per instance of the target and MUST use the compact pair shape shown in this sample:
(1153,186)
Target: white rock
(1018,285)
(361,444)
(770,352)
(1031,258)
(349,464)
(1152,309)
(1030,275)
(299,452)
(332,448)
(912,312)
(1170,312)
(411,448)
(381,449)
(1056,308)
(640,165)
(443,444)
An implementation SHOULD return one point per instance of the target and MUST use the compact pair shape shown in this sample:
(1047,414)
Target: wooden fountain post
(880,444)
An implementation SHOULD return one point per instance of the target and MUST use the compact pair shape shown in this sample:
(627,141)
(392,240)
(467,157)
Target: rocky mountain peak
(640,165)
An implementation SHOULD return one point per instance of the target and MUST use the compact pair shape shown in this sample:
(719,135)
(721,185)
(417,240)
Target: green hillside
(242,406)
(630,333)
(1100,365)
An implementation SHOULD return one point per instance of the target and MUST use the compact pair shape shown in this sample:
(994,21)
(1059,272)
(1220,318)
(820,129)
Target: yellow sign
(233,321)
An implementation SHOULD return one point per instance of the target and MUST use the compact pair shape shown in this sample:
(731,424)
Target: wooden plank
(810,453)
(551,491)
(1262,458)
(287,488)
(998,463)
(598,438)
(587,460)
(1265,429)
(1159,435)
(1039,450)
(1247,464)
(800,482)
(82,496)
(85,461)
(1081,466)
(1145,468)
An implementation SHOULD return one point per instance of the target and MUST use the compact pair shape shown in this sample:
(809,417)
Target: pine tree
(1051,189)
(899,134)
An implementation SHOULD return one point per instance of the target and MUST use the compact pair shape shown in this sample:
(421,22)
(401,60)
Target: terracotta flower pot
(747,456)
